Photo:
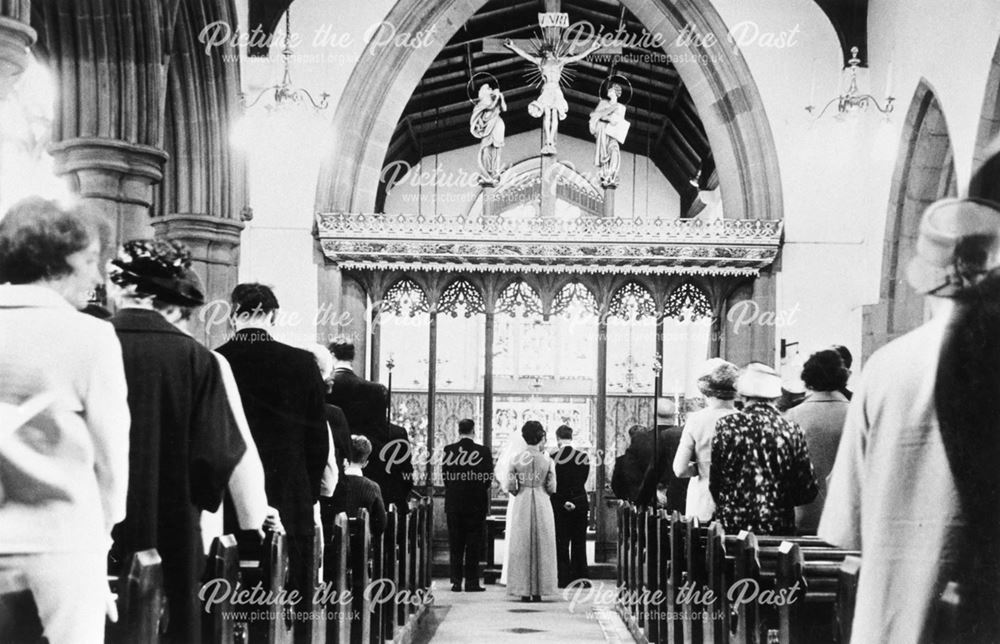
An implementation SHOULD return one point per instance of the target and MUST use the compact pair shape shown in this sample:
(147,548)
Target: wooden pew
(336,572)
(271,572)
(814,572)
(378,609)
(390,571)
(403,569)
(847,593)
(141,601)
(359,558)
(652,606)
(718,572)
(223,563)
(312,602)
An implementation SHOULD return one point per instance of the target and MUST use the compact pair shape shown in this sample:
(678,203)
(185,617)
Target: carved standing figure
(487,125)
(609,127)
(550,105)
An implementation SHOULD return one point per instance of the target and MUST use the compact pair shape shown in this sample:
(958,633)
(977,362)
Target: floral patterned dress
(760,471)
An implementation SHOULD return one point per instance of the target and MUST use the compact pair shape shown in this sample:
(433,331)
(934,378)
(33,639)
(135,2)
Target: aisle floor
(495,618)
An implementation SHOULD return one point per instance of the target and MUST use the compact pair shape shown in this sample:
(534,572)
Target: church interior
(527,210)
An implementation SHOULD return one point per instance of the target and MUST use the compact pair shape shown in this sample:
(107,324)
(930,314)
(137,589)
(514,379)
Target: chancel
(595,247)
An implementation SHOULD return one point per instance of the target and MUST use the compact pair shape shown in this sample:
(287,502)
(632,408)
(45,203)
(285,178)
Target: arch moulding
(717,77)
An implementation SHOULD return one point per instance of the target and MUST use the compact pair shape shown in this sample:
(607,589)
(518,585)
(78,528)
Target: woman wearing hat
(185,441)
(916,482)
(760,464)
(717,383)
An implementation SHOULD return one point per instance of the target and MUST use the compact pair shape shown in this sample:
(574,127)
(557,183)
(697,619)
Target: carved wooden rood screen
(503,320)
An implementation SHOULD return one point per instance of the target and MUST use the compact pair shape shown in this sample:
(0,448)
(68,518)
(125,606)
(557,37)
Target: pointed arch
(688,302)
(925,172)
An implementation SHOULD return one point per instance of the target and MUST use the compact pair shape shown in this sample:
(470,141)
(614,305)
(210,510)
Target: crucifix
(550,57)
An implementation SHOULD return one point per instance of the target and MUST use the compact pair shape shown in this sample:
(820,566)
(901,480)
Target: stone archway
(985,182)
(924,174)
(717,77)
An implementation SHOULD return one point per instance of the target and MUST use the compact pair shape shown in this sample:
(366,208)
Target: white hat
(665,408)
(959,241)
(758,381)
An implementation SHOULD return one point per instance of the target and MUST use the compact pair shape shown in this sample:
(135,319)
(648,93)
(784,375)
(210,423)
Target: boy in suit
(354,491)
(468,474)
(570,507)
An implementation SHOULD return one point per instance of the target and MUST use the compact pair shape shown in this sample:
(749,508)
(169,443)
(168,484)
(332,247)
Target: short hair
(360,449)
(636,429)
(253,298)
(533,432)
(825,371)
(466,426)
(564,432)
(845,355)
(342,348)
(37,235)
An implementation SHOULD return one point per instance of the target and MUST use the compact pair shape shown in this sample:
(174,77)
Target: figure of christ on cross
(550,105)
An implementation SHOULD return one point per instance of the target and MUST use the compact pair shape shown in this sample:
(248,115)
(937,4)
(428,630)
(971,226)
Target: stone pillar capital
(15,38)
(110,169)
(211,239)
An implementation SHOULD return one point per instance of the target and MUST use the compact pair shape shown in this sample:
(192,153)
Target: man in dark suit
(282,393)
(570,508)
(660,471)
(467,470)
(365,405)
(630,467)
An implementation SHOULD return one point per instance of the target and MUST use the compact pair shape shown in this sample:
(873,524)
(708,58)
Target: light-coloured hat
(959,242)
(665,408)
(758,381)
(717,378)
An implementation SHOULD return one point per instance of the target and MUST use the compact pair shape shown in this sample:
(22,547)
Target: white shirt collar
(353,470)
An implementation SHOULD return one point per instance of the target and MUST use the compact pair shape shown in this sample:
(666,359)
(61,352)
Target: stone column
(15,38)
(114,179)
(490,333)
(215,248)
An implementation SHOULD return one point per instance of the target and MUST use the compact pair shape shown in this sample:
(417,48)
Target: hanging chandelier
(285,94)
(853,101)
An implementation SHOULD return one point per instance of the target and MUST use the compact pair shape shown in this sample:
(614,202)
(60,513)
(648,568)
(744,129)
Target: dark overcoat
(184,444)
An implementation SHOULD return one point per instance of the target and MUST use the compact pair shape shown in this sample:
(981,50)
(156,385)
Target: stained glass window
(461,298)
(632,302)
(688,302)
(405,299)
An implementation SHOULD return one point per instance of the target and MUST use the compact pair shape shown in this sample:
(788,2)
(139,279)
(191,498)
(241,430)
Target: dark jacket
(184,444)
(661,472)
(282,393)
(354,493)
(364,403)
(630,467)
(572,470)
(467,470)
(391,467)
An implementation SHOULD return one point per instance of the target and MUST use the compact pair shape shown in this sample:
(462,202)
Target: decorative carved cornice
(583,245)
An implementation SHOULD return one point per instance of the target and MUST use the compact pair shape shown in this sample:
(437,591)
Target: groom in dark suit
(570,507)
(467,470)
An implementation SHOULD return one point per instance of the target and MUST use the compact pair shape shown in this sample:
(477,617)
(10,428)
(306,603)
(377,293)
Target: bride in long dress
(527,473)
